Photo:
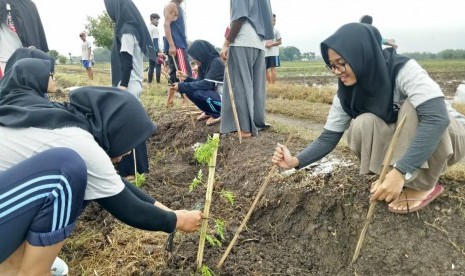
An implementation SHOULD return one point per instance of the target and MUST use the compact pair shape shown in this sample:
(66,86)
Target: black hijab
(128,20)
(211,66)
(21,53)
(374,68)
(27,22)
(116,119)
(26,76)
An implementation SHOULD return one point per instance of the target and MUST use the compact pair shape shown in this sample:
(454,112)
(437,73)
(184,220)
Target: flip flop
(211,121)
(438,189)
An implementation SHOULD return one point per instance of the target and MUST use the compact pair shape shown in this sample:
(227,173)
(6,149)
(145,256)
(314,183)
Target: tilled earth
(306,223)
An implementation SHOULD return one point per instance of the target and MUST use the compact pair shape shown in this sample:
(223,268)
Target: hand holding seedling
(188,221)
(282,158)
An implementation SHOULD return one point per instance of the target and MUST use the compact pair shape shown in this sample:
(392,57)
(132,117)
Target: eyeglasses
(341,67)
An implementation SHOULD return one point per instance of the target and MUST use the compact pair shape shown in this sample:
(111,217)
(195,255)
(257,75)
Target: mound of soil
(306,223)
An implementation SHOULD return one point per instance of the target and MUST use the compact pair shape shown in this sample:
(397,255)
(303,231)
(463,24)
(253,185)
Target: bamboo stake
(233,103)
(176,66)
(208,199)
(386,165)
(249,213)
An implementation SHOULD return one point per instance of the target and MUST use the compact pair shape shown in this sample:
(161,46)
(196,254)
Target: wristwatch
(407,175)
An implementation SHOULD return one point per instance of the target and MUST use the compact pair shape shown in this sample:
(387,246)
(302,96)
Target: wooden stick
(208,199)
(176,66)
(135,167)
(386,166)
(249,213)
(233,103)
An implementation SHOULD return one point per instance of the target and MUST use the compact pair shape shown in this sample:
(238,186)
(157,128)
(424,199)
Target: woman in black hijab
(205,91)
(376,88)
(131,41)
(101,124)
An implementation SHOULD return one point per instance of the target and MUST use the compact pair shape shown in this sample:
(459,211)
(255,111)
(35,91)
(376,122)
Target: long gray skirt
(369,137)
(246,67)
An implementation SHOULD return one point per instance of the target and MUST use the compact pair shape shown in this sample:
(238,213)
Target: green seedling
(197,181)
(139,180)
(206,271)
(204,152)
(228,195)
(212,240)
(219,225)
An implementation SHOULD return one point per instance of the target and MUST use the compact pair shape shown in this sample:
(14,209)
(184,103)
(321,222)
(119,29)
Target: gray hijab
(259,14)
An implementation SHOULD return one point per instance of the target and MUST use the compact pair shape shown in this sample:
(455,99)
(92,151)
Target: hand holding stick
(249,213)
(386,164)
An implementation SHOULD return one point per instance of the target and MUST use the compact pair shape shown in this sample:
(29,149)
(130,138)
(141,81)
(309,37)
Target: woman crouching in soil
(100,124)
(376,88)
(205,91)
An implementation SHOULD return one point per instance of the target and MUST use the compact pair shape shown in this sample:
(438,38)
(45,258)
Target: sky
(416,25)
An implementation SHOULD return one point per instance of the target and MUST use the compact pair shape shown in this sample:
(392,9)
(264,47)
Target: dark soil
(305,223)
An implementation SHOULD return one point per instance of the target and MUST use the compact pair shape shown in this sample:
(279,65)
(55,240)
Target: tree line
(101,29)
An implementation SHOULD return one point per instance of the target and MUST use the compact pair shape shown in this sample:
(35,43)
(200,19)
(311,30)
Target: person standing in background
(176,39)
(155,34)
(272,54)
(86,55)
(131,41)
(367,19)
(244,50)
(20,26)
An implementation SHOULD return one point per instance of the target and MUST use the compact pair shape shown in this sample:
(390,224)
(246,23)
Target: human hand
(390,188)
(224,50)
(172,50)
(188,221)
(180,75)
(283,158)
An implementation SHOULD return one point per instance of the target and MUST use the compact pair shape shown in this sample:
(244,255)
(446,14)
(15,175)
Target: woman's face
(197,62)
(341,68)
(52,86)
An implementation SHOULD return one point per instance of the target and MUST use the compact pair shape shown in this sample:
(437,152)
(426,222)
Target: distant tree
(452,54)
(308,55)
(102,55)
(54,54)
(290,53)
(62,59)
(101,28)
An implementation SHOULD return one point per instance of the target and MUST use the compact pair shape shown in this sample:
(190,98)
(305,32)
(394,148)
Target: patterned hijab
(374,68)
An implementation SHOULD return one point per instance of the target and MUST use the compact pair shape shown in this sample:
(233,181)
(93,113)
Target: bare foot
(170,100)
(203,116)
(410,197)
(244,134)
(211,121)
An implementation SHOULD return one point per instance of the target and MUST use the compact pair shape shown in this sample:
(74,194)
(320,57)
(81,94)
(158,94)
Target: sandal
(438,189)
(211,121)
